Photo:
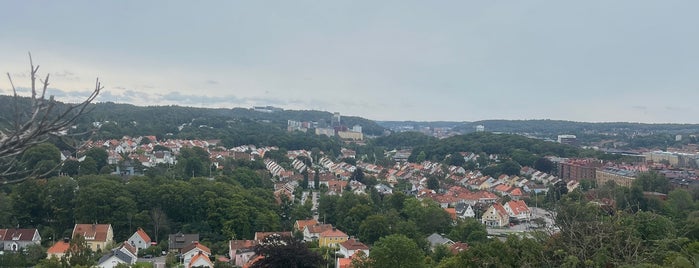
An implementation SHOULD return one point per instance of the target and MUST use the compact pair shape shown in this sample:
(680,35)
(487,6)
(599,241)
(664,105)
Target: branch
(43,120)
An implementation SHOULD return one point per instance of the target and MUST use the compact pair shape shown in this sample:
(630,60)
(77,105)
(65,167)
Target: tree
(42,118)
(100,156)
(373,228)
(433,183)
(396,251)
(283,251)
(358,175)
(79,253)
(316,179)
(42,158)
(543,164)
(88,166)
(71,167)
(304,183)
(469,230)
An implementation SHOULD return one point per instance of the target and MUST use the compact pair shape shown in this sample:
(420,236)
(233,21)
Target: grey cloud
(66,75)
(212,82)
(640,107)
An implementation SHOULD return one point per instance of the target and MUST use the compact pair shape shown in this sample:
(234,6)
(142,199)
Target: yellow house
(97,236)
(332,238)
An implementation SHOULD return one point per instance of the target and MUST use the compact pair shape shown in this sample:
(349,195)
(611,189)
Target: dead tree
(28,126)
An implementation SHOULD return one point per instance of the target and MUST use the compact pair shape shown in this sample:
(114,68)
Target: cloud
(212,82)
(66,75)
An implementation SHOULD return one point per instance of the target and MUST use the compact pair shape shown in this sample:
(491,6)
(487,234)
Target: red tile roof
(92,232)
(518,206)
(143,235)
(333,233)
(458,247)
(300,224)
(196,245)
(17,234)
(241,244)
(59,248)
(353,244)
(200,256)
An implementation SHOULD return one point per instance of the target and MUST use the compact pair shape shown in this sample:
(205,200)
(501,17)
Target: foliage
(396,251)
(281,251)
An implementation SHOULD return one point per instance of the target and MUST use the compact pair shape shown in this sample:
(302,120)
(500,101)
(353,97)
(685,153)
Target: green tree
(373,228)
(70,167)
(396,251)
(470,231)
(316,179)
(281,251)
(100,156)
(79,253)
(433,183)
(543,164)
(42,159)
(358,175)
(304,183)
(88,166)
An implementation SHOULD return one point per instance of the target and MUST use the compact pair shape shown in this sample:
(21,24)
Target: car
(148,256)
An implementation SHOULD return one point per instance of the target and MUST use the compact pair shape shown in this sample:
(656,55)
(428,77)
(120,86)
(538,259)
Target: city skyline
(593,61)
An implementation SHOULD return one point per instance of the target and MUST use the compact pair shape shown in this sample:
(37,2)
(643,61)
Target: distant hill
(545,127)
(141,120)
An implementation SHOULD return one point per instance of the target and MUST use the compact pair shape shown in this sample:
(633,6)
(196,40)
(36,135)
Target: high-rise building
(568,139)
(336,120)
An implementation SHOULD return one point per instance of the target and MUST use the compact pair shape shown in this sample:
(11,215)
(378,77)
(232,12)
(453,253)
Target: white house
(140,240)
(192,250)
(352,246)
(124,254)
(16,239)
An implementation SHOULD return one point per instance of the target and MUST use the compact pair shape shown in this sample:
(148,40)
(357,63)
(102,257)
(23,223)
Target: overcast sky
(594,61)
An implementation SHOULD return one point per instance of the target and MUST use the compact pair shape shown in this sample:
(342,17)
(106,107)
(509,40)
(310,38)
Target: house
(97,236)
(200,260)
(58,249)
(464,210)
(312,232)
(458,247)
(436,239)
(518,209)
(332,238)
(352,246)
(16,239)
(241,251)
(192,250)
(124,254)
(383,189)
(496,216)
(140,239)
(178,241)
(299,225)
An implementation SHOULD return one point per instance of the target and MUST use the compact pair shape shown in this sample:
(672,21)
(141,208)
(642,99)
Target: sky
(592,61)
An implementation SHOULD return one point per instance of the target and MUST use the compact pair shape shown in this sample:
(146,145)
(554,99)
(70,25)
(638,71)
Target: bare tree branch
(44,119)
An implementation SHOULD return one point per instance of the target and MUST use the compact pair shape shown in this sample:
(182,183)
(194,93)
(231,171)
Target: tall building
(577,169)
(336,120)
(568,139)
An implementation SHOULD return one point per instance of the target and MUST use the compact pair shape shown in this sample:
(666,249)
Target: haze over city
(594,61)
